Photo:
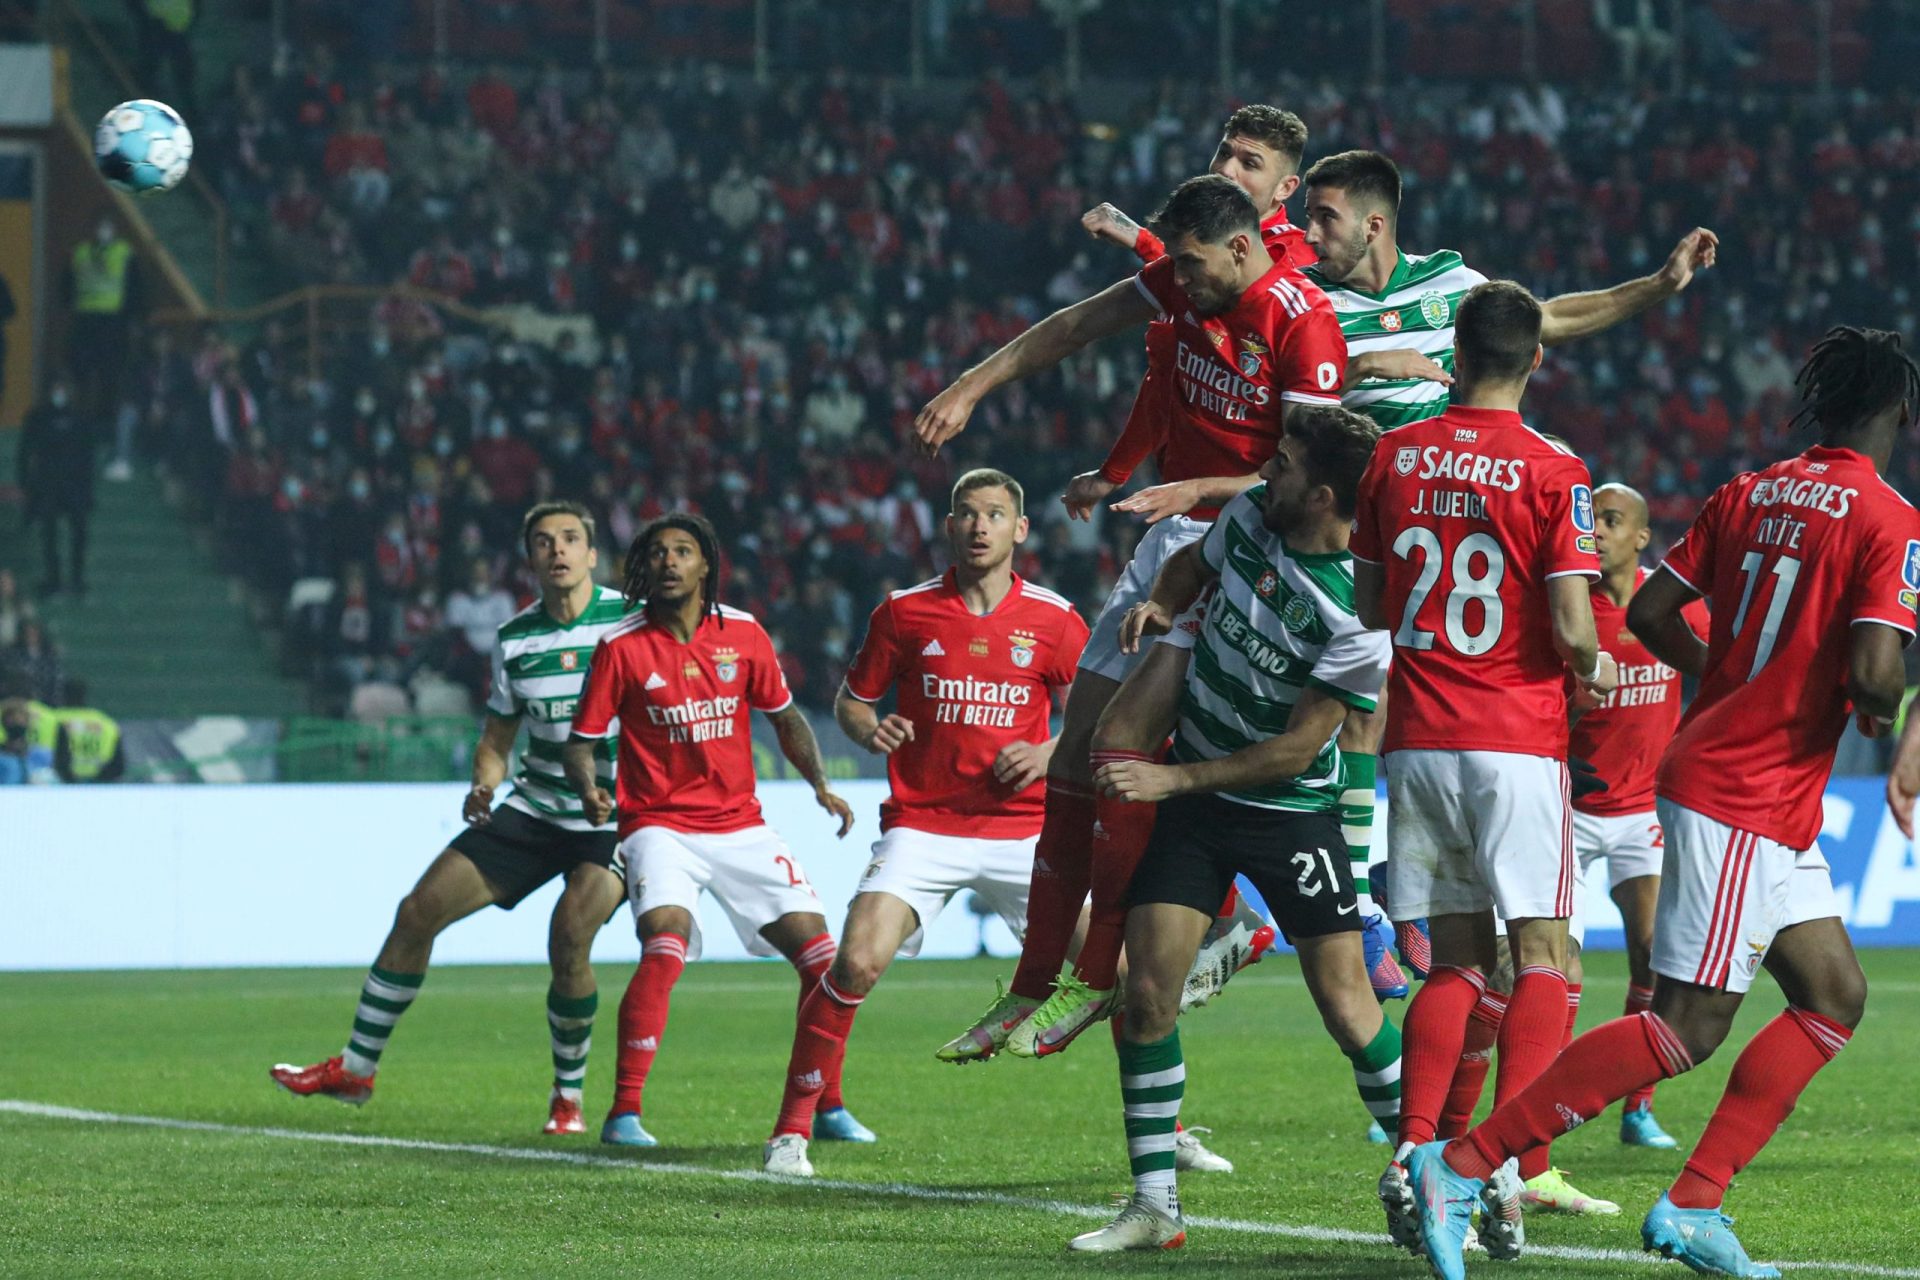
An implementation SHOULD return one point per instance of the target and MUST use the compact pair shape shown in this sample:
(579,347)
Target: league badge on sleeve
(1583,519)
(1910,576)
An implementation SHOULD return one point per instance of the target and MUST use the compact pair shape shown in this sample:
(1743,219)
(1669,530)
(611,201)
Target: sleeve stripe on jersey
(929,585)
(1362,559)
(728,611)
(1141,284)
(859,696)
(1042,594)
(1551,444)
(1885,622)
(1668,566)
(774,711)
(1292,301)
(632,622)
(1574,573)
(1302,397)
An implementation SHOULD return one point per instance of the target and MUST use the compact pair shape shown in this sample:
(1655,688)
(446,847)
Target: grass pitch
(977,1173)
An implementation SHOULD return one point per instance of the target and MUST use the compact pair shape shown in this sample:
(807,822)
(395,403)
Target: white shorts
(1724,896)
(1102,655)
(1632,844)
(750,873)
(925,870)
(1473,830)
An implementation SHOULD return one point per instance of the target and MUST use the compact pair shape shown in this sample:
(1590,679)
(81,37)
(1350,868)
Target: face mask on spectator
(318,439)
(59,397)
(496,428)
(443,445)
(380,345)
(382,439)
(629,249)
(359,490)
(364,403)
(291,487)
(503,237)
(709,291)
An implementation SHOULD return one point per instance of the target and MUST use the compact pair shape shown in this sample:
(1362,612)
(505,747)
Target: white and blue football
(142,146)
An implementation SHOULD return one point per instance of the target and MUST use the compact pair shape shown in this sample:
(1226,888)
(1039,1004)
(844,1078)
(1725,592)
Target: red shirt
(971,684)
(1233,372)
(1623,737)
(1791,558)
(1469,515)
(686,752)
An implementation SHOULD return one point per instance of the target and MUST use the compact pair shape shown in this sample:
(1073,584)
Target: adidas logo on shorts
(655,682)
(933,650)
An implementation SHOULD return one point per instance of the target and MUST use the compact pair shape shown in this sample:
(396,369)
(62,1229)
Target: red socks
(1605,1064)
(643,1016)
(1431,1044)
(819,1049)
(1476,1056)
(1767,1080)
(1639,1000)
(1531,1033)
(1537,1161)
(1120,837)
(1061,871)
(814,960)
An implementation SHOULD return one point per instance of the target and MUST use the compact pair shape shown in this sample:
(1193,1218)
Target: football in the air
(142,146)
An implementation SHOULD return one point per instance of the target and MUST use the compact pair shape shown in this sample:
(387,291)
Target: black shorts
(1297,861)
(518,853)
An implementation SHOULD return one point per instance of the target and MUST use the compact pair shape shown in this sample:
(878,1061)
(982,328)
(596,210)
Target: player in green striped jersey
(1397,309)
(1252,787)
(540,831)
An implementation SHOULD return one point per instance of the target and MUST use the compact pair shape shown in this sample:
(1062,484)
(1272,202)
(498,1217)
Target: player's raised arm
(1575,315)
(802,751)
(1654,615)
(1119,306)
(1110,223)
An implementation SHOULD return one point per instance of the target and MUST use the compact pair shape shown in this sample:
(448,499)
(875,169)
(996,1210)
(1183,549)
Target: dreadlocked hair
(1852,374)
(639,585)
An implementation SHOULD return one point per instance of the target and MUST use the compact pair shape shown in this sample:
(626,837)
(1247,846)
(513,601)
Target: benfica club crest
(726,664)
(1023,644)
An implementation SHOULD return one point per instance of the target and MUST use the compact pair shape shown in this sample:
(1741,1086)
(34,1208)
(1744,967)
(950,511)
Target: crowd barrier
(207,876)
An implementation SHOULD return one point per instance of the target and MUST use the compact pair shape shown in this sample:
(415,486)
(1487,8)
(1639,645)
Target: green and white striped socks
(382,1000)
(1376,1074)
(570,1023)
(1153,1079)
(1356,823)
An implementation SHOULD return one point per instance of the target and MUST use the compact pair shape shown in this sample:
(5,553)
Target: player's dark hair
(1495,332)
(1209,208)
(1370,180)
(1338,444)
(988,478)
(1852,375)
(1273,127)
(639,581)
(540,511)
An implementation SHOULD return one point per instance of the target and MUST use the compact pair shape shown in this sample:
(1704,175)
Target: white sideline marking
(903,1190)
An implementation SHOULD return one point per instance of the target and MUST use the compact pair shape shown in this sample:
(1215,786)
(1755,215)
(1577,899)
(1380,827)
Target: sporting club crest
(1406,460)
(1435,310)
(726,664)
(1023,645)
(1298,614)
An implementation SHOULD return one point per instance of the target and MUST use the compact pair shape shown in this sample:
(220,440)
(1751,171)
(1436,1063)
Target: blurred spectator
(15,609)
(14,742)
(33,664)
(102,278)
(57,461)
(474,614)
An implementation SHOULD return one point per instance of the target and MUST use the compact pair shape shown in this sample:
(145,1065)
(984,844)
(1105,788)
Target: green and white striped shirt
(1415,310)
(1277,622)
(539,671)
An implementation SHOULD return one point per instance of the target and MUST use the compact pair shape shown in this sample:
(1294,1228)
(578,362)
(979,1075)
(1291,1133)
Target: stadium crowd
(746,294)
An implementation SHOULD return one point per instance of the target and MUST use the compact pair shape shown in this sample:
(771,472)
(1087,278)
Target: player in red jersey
(680,677)
(1622,738)
(1473,546)
(975,657)
(1251,338)
(1813,565)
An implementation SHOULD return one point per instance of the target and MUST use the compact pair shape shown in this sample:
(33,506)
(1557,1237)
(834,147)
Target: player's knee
(418,918)
(1843,997)
(857,972)
(569,943)
(1152,1006)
